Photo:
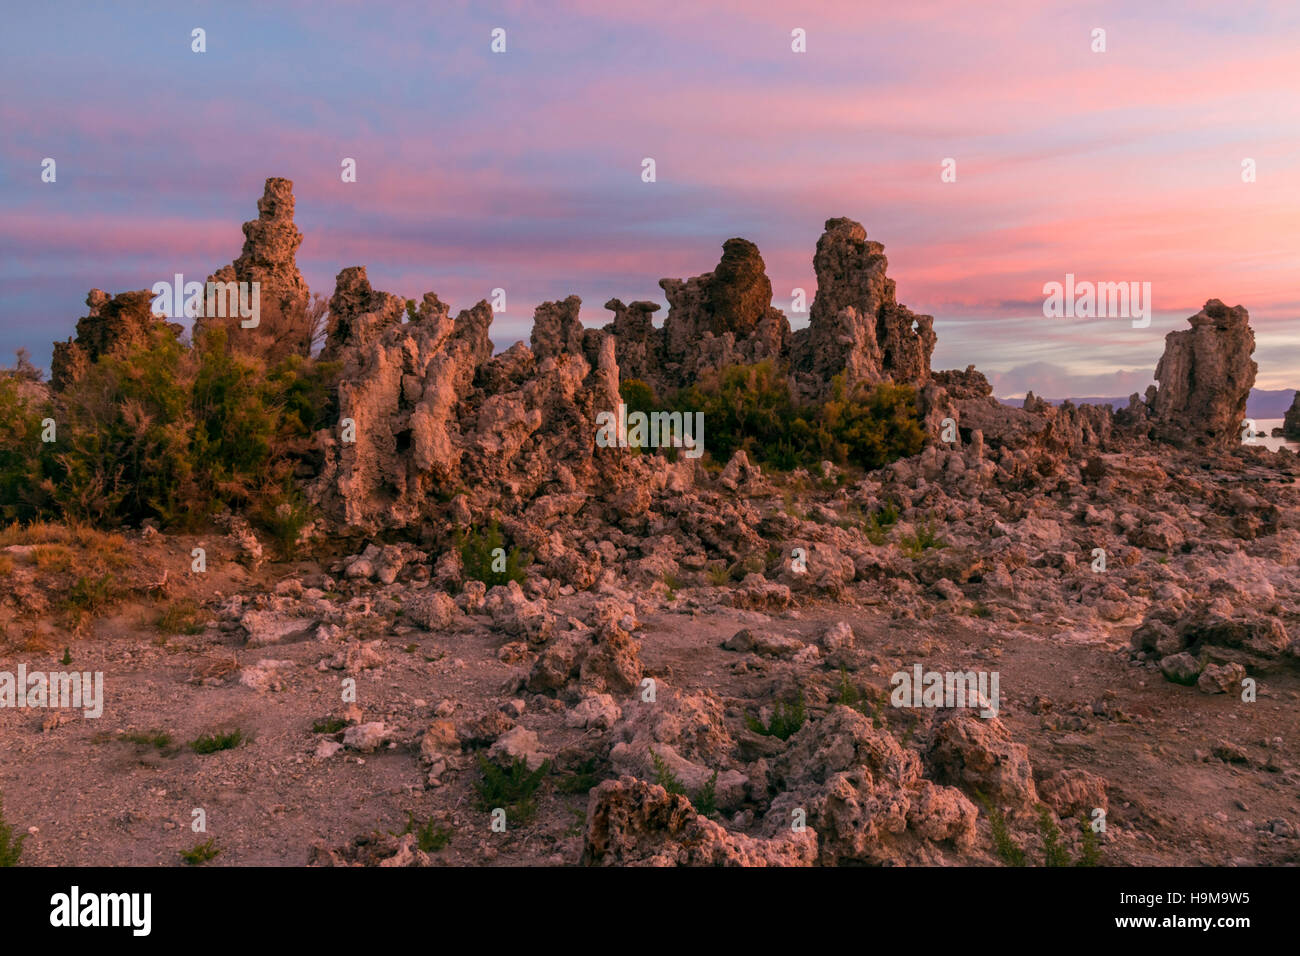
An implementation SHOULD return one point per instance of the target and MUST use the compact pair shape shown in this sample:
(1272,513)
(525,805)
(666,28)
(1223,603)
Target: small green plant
(786,719)
(880,522)
(429,836)
(10,849)
(673,584)
(1090,849)
(66,659)
(923,538)
(579,821)
(719,576)
(1054,854)
(1006,848)
(283,519)
(212,743)
(485,557)
(202,853)
(330,725)
(664,775)
(157,739)
(582,779)
(704,800)
(512,788)
(849,694)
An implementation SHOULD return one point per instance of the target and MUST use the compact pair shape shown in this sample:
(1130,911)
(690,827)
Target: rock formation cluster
(1148,530)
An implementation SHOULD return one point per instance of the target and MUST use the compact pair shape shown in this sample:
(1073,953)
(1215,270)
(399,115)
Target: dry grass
(182,616)
(81,570)
(53,557)
(58,539)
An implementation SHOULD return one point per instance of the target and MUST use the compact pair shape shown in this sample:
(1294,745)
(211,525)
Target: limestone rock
(1205,377)
(115,321)
(856,325)
(1291,423)
(269,258)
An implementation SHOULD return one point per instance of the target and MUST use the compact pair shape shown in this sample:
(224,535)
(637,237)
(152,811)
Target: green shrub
(581,779)
(1090,845)
(786,720)
(124,431)
(201,853)
(156,429)
(21,451)
(1054,854)
(212,743)
(664,775)
(868,426)
(924,537)
(159,740)
(513,789)
(880,521)
(1006,848)
(638,396)
(10,848)
(429,837)
(746,407)
(704,800)
(752,407)
(483,551)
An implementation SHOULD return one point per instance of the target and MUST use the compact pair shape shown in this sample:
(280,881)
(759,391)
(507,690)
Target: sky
(522,170)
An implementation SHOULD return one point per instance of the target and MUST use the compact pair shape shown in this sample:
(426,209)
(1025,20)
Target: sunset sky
(522,170)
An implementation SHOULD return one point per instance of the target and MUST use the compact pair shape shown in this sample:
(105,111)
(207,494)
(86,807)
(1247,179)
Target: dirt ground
(103,792)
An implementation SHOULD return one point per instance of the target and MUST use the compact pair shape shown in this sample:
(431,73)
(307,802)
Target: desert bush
(429,836)
(786,719)
(214,743)
(752,408)
(11,849)
(513,789)
(746,407)
(482,553)
(155,429)
(704,800)
(21,413)
(923,537)
(201,852)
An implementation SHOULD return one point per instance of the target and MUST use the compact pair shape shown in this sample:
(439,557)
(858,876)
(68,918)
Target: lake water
(1266,425)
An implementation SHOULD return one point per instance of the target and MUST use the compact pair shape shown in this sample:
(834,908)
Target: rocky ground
(696,666)
(1120,689)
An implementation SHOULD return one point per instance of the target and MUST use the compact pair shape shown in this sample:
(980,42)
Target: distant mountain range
(1263,403)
